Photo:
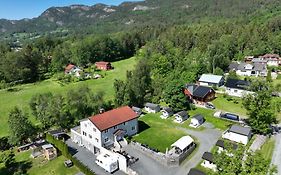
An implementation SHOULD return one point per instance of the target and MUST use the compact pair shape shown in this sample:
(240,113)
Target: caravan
(107,162)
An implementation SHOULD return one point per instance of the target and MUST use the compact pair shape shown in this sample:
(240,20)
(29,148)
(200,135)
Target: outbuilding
(197,120)
(166,112)
(238,134)
(237,88)
(208,161)
(151,108)
(181,116)
(222,146)
(211,80)
(137,110)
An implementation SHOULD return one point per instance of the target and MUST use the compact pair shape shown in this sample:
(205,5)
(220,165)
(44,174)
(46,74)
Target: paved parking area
(88,159)
(148,166)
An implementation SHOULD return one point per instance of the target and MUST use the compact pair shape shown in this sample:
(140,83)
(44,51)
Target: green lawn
(40,166)
(157,133)
(21,97)
(268,148)
(223,104)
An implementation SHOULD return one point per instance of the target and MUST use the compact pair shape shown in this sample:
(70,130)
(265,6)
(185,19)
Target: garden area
(40,165)
(21,95)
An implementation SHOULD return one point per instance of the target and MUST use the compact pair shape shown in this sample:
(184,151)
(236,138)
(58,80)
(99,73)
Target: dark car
(230,116)
(210,106)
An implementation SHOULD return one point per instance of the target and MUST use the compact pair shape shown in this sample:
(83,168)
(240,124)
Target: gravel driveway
(148,166)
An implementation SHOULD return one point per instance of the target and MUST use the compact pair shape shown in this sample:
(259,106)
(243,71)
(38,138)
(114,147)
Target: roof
(255,66)
(167,109)
(220,143)
(102,63)
(69,67)
(151,105)
(183,142)
(198,117)
(136,109)
(240,130)
(182,113)
(208,156)
(210,78)
(56,132)
(47,146)
(194,171)
(270,56)
(233,66)
(113,117)
(237,84)
(198,91)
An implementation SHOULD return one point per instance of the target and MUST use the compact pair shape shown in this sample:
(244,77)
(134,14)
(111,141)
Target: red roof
(113,117)
(102,63)
(69,67)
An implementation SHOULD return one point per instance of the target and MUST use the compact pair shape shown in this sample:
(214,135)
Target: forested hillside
(101,18)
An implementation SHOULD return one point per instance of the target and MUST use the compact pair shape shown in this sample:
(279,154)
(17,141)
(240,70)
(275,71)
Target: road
(148,166)
(276,157)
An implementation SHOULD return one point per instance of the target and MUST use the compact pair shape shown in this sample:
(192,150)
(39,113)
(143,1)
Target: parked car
(210,106)
(230,116)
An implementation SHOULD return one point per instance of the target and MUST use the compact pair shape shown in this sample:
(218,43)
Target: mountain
(133,14)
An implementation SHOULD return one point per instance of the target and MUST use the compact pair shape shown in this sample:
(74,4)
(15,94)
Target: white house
(249,69)
(166,112)
(106,130)
(180,117)
(237,88)
(72,70)
(197,121)
(208,161)
(238,134)
(211,80)
(151,108)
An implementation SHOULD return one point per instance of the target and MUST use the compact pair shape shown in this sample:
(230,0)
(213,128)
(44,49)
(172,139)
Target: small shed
(222,146)
(181,116)
(183,144)
(194,171)
(102,65)
(208,161)
(197,120)
(137,110)
(238,134)
(151,108)
(211,80)
(166,112)
(49,151)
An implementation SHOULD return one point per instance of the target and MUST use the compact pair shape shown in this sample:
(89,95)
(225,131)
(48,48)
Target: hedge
(63,148)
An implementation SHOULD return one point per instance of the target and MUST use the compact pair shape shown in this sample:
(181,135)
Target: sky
(19,9)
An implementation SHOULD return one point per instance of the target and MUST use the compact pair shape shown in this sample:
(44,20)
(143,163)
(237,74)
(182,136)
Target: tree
(259,109)
(268,76)
(174,96)
(232,75)
(4,143)
(120,89)
(20,127)
(8,158)
(218,71)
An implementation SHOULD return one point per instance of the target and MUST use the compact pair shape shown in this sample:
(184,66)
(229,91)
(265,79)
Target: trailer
(107,162)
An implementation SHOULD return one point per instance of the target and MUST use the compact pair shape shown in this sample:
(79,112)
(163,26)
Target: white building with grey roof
(238,134)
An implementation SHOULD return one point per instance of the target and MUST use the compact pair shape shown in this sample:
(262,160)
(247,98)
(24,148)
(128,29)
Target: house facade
(208,161)
(197,121)
(237,88)
(102,65)
(166,112)
(238,134)
(71,69)
(249,69)
(181,116)
(107,129)
(211,80)
(151,108)
(199,94)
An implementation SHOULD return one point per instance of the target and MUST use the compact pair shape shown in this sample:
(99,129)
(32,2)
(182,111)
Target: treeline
(43,57)
(54,111)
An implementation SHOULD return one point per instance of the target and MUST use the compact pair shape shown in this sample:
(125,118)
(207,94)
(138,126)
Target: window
(133,128)
(84,133)
(115,127)
(106,131)
(106,139)
(235,91)
(97,140)
(94,129)
(85,125)
(90,136)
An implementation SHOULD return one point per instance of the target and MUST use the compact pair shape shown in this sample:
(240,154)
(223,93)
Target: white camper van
(107,162)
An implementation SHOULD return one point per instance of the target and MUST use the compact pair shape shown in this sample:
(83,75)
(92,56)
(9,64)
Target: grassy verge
(268,148)
(23,93)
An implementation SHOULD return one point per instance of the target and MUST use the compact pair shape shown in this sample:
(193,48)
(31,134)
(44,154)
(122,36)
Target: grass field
(223,104)
(22,96)
(268,148)
(41,166)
